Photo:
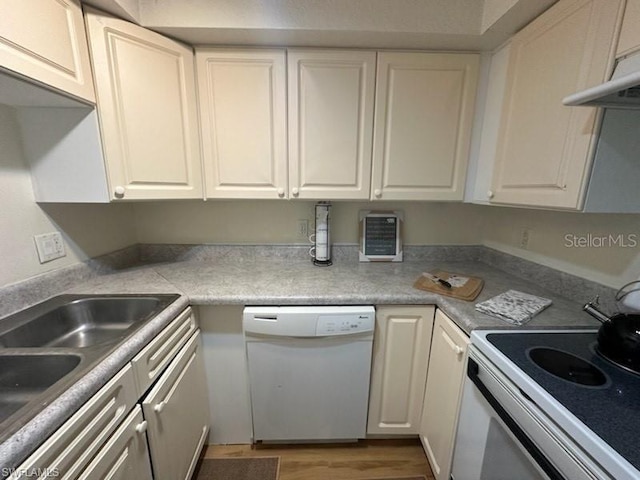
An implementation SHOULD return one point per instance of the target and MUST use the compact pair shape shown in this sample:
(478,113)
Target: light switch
(50,246)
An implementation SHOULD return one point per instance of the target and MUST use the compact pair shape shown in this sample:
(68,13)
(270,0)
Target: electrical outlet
(525,235)
(49,246)
(302,229)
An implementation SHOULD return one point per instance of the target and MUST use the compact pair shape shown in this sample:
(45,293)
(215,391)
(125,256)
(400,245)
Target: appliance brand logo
(601,241)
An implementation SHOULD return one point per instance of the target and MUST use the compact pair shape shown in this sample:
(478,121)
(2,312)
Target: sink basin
(72,322)
(25,377)
(47,348)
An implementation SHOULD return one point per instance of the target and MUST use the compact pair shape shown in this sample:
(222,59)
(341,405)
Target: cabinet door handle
(295,191)
(454,346)
(281,192)
(119,191)
(377,193)
(159,407)
(142,427)
(490,194)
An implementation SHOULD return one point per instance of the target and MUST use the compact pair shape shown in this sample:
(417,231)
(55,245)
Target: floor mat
(259,468)
(421,477)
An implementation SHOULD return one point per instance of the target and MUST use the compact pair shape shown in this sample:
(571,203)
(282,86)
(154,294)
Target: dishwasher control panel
(308,321)
(344,324)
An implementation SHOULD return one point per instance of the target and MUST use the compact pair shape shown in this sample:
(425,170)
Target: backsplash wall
(604,248)
(88,230)
(274,221)
(256,222)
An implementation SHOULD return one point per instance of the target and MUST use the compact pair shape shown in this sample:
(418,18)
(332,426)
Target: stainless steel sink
(81,322)
(47,348)
(25,377)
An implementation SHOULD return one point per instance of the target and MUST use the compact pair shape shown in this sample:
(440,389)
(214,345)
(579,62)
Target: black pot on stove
(618,336)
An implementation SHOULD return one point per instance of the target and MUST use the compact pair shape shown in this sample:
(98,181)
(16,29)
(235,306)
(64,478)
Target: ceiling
(399,24)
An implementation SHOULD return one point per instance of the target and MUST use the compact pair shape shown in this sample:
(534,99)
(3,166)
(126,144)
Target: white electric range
(546,405)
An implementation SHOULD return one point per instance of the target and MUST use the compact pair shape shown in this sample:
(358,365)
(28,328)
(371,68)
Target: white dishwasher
(309,370)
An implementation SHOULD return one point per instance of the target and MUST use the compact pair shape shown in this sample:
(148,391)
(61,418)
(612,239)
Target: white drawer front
(73,445)
(152,360)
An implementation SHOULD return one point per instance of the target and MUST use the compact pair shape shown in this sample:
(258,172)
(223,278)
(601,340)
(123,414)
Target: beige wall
(275,222)
(554,239)
(88,230)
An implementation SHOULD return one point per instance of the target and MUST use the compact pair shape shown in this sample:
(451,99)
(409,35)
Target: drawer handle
(159,407)
(142,427)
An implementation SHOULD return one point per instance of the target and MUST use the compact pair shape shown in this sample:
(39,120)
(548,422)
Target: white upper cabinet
(544,149)
(424,112)
(242,96)
(146,97)
(331,94)
(630,32)
(44,40)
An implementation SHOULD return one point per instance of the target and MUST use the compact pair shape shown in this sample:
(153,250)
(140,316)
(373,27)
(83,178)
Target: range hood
(622,91)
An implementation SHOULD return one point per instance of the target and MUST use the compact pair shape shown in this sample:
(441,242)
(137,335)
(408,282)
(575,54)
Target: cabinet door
(442,394)
(146,95)
(242,95)
(400,359)
(545,149)
(424,111)
(330,99)
(45,41)
(630,32)
(177,412)
(125,456)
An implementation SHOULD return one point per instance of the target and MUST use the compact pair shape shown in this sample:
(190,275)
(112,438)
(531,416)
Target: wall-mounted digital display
(380,236)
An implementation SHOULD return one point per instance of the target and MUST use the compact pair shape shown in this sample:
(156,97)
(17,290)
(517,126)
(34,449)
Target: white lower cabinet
(126,455)
(113,437)
(400,359)
(442,394)
(177,412)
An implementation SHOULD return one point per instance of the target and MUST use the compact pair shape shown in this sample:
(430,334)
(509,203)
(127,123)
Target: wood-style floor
(370,459)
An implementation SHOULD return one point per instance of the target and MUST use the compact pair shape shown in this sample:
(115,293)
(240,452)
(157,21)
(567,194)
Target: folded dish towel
(513,306)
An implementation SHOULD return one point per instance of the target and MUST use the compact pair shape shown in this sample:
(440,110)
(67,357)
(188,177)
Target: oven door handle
(473,374)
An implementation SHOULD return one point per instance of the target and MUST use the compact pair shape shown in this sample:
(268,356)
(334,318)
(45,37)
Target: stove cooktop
(605,397)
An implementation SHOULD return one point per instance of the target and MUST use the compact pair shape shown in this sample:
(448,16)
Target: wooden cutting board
(469,291)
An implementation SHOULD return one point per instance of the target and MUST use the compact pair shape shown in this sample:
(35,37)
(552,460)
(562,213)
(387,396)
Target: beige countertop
(293,281)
